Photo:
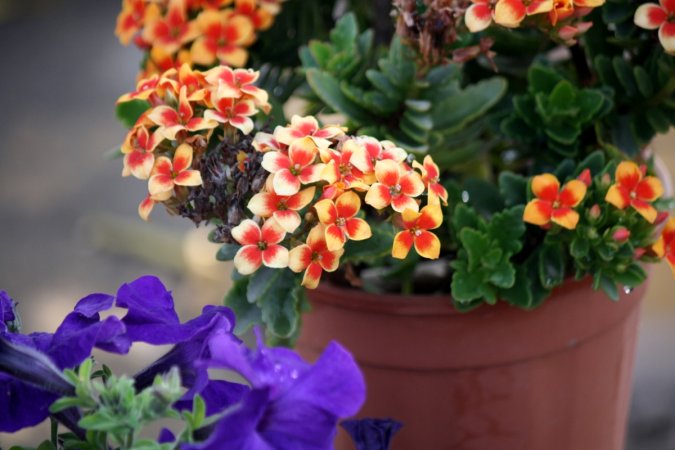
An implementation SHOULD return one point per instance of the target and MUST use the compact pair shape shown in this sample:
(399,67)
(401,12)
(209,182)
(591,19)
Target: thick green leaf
(507,229)
(551,265)
(542,79)
(513,188)
(226,252)
(129,112)
(248,314)
(328,89)
(476,245)
(469,104)
(276,292)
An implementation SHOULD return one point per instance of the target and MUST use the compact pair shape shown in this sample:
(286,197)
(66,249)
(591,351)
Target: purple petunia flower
(372,434)
(292,404)
(7,314)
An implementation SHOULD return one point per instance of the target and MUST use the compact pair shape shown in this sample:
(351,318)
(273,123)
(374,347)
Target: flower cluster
(562,17)
(652,16)
(552,205)
(184,107)
(197,32)
(334,175)
(287,403)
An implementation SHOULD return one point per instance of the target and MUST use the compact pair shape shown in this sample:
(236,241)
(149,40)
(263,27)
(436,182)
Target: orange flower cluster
(334,174)
(632,188)
(562,16)
(185,107)
(197,32)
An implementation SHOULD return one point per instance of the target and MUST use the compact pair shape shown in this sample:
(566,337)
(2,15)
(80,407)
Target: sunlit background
(68,222)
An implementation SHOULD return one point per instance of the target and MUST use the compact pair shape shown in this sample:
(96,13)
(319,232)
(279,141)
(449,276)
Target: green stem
(663,94)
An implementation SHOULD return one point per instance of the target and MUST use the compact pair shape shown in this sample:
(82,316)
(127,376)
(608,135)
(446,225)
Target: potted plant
(506,142)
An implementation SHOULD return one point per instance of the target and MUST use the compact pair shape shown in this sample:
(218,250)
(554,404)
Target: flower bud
(621,234)
(594,212)
(585,177)
(661,217)
(606,180)
(639,252)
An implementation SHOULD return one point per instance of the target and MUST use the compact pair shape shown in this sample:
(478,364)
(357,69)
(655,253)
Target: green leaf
(561,100)
(328,89)
(643,81)
(345,32)
(542,79)
(321,52)
(609,287)
(503,275)
(594,162)
(513,188)
(370,250)
(227,251)
(469,104)
(476,245)
(466,217)
(466,285)
(625,75)
(129,112)
(248,314)
(483,196)
(507,229)
(551,265)
(276,292)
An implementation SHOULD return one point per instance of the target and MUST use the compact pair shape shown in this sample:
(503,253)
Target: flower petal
(302,152)
(263,204)
(400,203)
(387,172)
(188,178)
(160,183)
(326,211)
(645,209)
(403,242)
(312,174)
(565,217)
(299,258)
(650,16)
(285,183)
(348,204)
(667,37)
(509,13)
(140,164)
(478,17)
(427,245)
(628,175)
(358,229)
(312,276)
(275,256)
(411,184)
(378,196)
(618,196)
(248,259)
(247,233)
(272,232)
(649,189)
(182,159)
(335,237)
(145,208)
(330,261)
(538,212)
(301,199)
(288,219)
(431,217)
(573,192)
(545,187)
(273,162)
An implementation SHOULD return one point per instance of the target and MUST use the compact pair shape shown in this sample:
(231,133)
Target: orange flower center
(262,245)
(345,169)
(395,190)
(340,222)
(295,170)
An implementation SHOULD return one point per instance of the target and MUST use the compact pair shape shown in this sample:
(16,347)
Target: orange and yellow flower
(167,173)
(222,37)
(284,209)
(633,188)
(340,173)
(134,15)
(430,177)
(339,218)
(416,232)
(148,203)
(173,30)
(665,246)
(296,168)
(301,127)
(395,186)
(554,204)
(172,121)
(138,149)
(314,257)
(260,246)
(237,83)
(232,111)
(369,151)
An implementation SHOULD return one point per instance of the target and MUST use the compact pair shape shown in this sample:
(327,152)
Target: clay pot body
(497,378)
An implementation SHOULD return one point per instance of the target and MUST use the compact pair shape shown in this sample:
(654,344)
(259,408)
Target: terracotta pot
(558,377)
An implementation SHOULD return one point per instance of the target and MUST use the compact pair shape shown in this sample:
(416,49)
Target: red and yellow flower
(652,16)
(261,18)
(172,121)
(369,151)
(340,173)
(222,36)
(430,177)
(294,169)
(633,188)
(665,245)
(232,111)
(395,186)
(146,206)
(194,82)
(236,83)
(301,127)
(173,30)
(510,13)
(554,204)
(144,89)
(167,173)
(340,221)
(133,17)
(416,232)
(314,257)
(260,246)
(265,142)
(284,209)
(138,149)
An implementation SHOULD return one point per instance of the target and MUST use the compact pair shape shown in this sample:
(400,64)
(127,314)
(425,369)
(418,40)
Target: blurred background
(68,221)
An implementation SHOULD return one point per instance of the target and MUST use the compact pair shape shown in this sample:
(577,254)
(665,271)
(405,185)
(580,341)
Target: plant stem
(586,77)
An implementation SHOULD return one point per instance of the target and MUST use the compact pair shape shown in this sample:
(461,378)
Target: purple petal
(372,434)
(166,436)
(7,306)
(218,395)
(22,405)
(93,304)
